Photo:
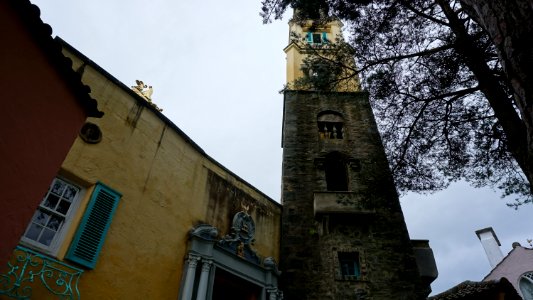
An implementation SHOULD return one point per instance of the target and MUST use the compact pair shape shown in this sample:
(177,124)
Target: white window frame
(59,237)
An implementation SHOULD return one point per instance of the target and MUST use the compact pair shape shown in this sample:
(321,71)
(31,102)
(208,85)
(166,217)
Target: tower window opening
(330,130)
(349,264)
(336,173)
(330,125)
(316,38)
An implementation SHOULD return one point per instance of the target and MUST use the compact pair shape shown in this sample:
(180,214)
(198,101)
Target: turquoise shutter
(91,233)
(324,37)
(310,37)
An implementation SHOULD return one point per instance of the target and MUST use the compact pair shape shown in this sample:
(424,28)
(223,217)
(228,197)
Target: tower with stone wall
(343,230)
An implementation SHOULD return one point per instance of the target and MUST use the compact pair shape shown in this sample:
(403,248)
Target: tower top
(314,61)
(307,14)
(310,9)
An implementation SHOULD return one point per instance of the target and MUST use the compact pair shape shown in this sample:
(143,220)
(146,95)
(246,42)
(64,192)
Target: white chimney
(491,244)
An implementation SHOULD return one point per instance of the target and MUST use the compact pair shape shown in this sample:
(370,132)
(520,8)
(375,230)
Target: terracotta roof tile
(478,290)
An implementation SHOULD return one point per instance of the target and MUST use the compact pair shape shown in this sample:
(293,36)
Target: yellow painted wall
(298,50)
(164,183)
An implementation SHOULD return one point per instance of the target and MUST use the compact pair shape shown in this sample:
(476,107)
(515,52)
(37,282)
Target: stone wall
(373,227)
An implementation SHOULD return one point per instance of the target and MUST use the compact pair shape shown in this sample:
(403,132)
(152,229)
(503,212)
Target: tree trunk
(509,24)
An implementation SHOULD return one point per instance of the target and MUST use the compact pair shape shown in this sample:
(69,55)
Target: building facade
(516,266)
(511,276)
(137,210)
(44,105)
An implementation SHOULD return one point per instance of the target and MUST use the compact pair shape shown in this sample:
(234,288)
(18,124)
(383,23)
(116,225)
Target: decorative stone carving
(274,294)
(145,91)
(270,264)
(241,237)
(205,231)
(206,265)
(193,261)
(139,87)
(244,227)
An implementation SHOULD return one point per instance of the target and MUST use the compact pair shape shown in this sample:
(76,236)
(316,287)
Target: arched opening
(336,172)
(330,125)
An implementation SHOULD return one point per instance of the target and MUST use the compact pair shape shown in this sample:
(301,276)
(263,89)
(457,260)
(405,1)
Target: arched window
(526,286)
(336,172)
(330,125)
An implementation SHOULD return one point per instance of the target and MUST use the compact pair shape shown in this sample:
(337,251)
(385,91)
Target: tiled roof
(478,290)
(29,14)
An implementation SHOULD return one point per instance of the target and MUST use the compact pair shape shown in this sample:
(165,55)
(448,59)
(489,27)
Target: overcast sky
(217,70)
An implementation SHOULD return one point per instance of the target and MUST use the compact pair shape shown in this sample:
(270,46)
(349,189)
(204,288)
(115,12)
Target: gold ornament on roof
(145,91)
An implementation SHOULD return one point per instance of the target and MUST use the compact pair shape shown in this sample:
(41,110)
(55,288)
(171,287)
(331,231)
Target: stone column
(189,279)
(272,294)
(204,278)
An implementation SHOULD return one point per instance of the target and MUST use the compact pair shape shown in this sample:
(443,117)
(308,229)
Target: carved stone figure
(139,87)
(147,93)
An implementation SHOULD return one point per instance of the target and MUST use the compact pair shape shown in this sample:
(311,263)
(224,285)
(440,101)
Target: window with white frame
(52,215)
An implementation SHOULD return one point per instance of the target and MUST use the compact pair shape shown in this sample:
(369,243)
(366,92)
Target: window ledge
(340,203)
(350,278)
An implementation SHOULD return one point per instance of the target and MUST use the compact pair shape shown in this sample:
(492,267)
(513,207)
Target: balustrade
(29,271)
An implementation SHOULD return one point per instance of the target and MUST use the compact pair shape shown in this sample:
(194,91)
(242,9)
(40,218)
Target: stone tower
(343,231)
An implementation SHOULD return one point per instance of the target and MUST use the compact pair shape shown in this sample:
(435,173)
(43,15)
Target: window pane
(51,201)
(70,193)
(63,207)
(40,217)
(33,231)
(317,38)
(55,223)
(58,187)
(349,268)
(349,263)
(46,237)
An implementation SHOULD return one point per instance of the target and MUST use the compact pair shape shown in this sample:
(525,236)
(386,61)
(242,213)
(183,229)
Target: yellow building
(139,211)
(313,51)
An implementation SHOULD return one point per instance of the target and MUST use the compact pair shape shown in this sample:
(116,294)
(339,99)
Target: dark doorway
(230,287)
